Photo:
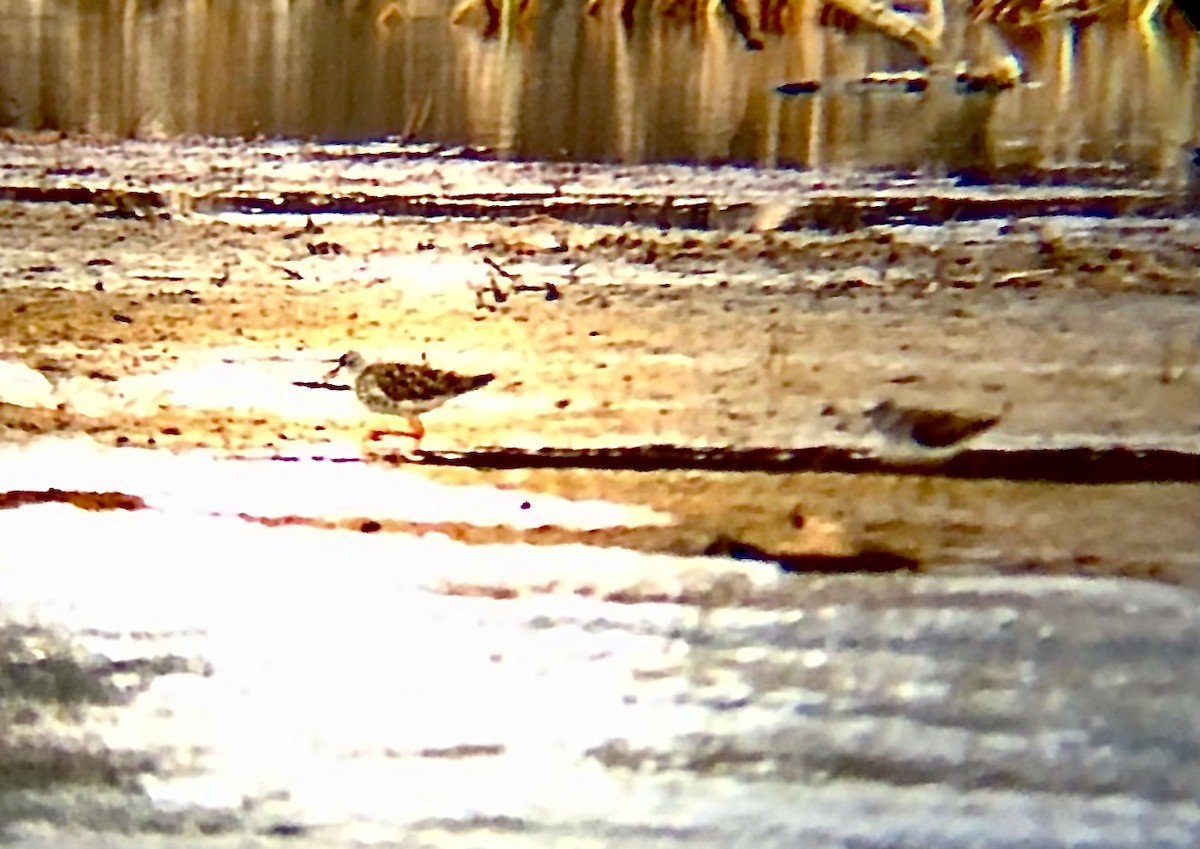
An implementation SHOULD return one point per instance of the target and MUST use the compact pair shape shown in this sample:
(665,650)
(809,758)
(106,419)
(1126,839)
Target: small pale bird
(927,429)
(404,389)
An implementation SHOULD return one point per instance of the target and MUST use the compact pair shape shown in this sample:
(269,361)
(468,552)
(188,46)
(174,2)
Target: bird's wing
(421,383)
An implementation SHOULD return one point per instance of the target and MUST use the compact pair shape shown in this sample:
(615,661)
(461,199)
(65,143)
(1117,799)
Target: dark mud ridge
(1053,465)
(837,209)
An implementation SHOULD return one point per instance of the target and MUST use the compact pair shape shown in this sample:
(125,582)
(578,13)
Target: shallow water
(348,688)
(569,86)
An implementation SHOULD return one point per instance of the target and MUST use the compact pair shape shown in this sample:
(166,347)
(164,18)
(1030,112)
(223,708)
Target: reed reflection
(568,85)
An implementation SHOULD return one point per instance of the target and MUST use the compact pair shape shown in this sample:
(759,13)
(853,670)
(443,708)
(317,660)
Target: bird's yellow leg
(417,431)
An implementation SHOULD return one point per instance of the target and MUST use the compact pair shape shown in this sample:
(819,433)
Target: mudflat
(707,312)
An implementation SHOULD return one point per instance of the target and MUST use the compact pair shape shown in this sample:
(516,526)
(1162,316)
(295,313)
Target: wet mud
(709,323)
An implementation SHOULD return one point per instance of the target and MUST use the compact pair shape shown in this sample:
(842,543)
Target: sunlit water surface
(568,86)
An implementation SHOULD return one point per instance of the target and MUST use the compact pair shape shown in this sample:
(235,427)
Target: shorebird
(404,389)
(935,431)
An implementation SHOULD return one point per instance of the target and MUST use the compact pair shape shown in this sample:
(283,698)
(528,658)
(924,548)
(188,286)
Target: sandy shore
(164,321)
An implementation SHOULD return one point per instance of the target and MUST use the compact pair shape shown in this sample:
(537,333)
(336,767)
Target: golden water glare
(570,86)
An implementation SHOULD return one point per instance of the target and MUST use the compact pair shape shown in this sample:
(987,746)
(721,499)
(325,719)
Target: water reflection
(570,86)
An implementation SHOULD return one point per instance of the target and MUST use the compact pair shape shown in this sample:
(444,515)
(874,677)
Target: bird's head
(352,362)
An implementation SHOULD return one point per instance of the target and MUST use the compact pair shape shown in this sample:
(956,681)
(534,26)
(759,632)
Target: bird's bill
(337,366)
